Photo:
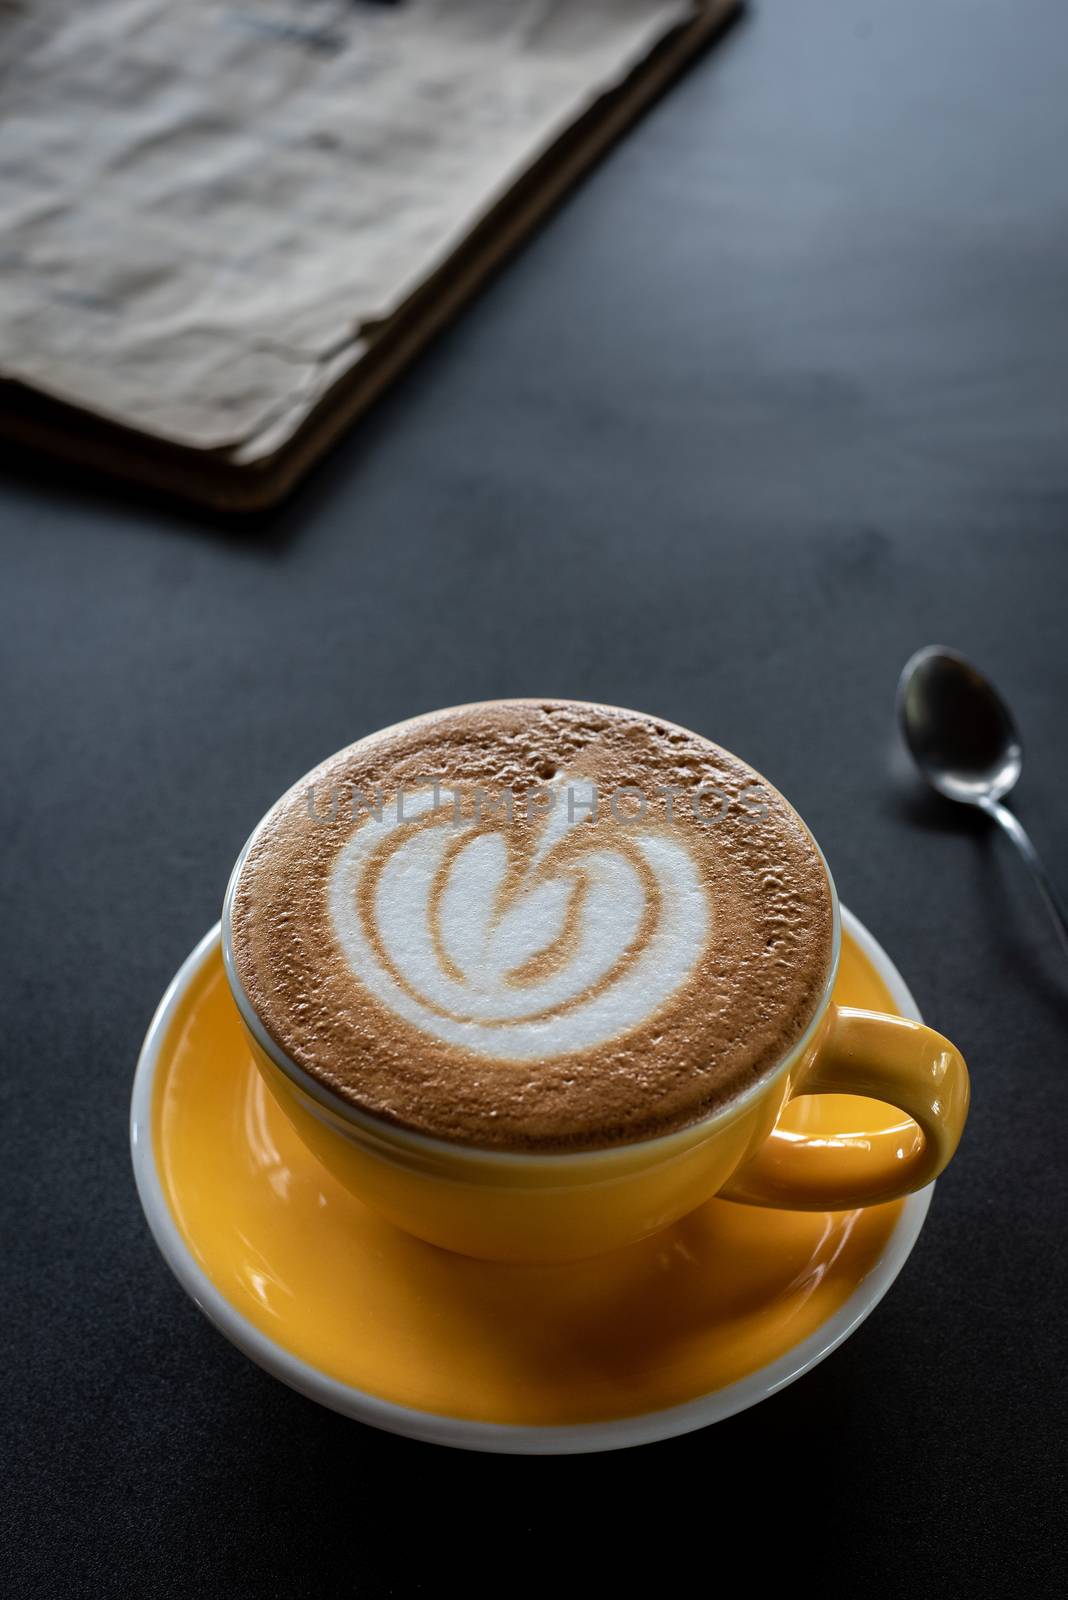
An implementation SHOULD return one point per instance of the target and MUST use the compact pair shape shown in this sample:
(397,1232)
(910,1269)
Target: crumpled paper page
(205,207)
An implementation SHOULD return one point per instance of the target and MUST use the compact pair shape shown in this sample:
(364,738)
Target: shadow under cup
(549,1208)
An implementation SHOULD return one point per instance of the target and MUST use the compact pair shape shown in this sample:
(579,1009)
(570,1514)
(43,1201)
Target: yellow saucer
(680,1330)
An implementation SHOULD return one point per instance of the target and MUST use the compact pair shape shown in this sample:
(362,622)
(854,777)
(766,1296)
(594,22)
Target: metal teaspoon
(962,737)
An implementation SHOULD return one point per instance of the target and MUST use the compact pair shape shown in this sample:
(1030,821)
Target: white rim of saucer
(462,1432)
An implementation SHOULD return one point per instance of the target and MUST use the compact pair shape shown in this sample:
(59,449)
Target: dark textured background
(778,396)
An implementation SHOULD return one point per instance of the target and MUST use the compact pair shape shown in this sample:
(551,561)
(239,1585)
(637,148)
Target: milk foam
(547,982)
(435,923)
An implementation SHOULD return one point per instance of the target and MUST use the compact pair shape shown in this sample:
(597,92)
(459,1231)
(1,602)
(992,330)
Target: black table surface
(778,396)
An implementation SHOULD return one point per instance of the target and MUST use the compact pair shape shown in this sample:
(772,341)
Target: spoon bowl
(959,730)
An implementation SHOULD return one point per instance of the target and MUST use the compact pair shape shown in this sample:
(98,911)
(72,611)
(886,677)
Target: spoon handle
(1016,832)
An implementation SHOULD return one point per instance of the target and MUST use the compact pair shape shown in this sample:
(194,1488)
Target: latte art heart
(515,960)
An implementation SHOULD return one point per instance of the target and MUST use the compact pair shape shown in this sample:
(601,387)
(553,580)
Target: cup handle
(884,1058)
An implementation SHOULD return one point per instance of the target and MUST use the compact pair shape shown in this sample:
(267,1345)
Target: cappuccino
(533,925)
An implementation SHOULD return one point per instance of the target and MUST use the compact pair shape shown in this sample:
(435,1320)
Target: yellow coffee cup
(540,1208)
